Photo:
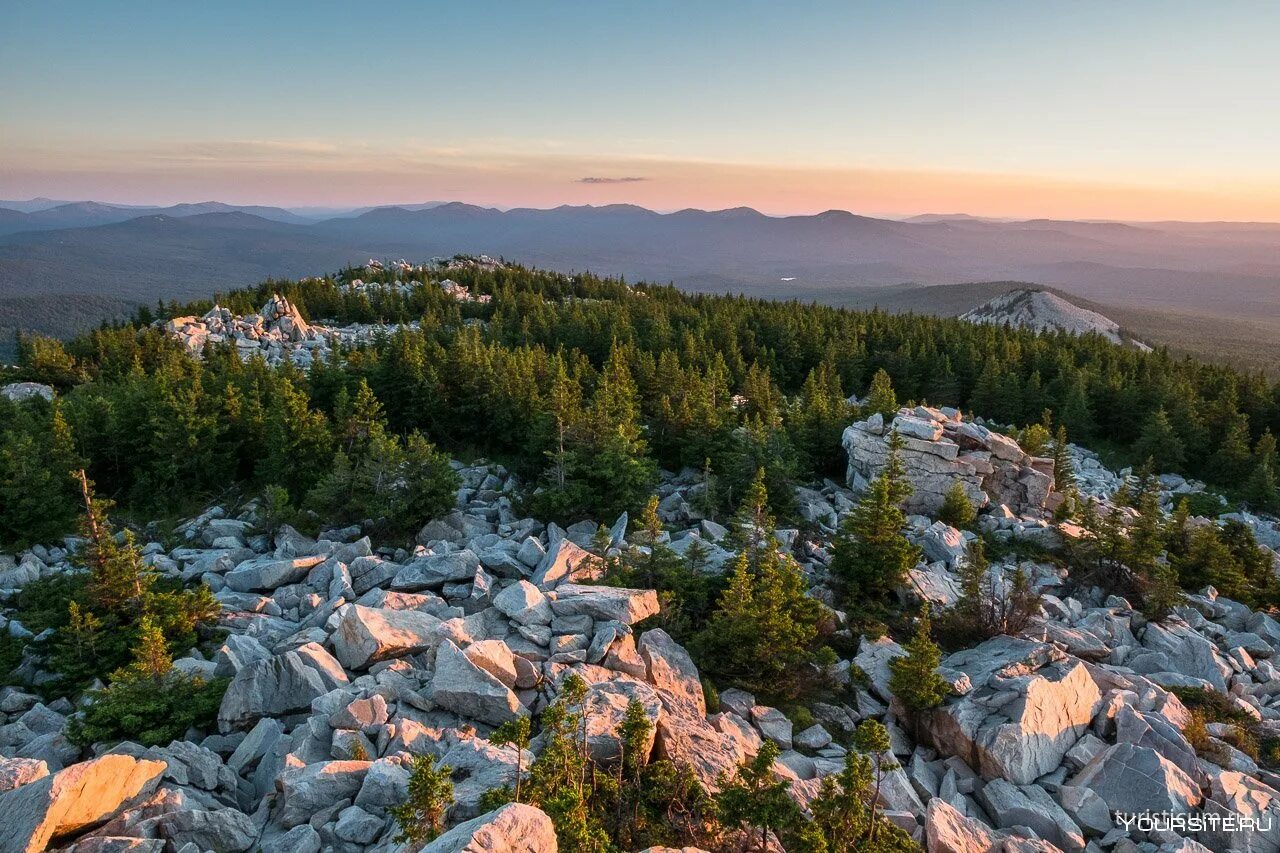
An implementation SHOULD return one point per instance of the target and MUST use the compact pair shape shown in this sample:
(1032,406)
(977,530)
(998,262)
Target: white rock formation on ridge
(1042,311)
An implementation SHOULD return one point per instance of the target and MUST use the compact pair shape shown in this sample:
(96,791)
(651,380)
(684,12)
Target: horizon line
(145,208)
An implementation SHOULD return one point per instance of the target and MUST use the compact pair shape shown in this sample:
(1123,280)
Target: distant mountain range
(1221,271)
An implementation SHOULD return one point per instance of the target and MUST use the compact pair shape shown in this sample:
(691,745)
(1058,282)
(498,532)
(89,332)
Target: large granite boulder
(1030,805)
(282,684)
(566,562)
(514,828)
(673,674)
(1238,797)
(73,800)
(461,686)
(367,635)
(946,830)
(1015,724)
(1188,652)
(268,573)
(940,451)
(307,790)
(605,603)
(605,708)
(1132,778)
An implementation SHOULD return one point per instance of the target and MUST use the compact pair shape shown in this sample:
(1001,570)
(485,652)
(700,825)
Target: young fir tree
(1146,534)
(685,592)
(756,801)
(634,741)
(957,510)
(514,733)
(1163,592)
(421,816)
(1160,442)
(872,555)
(118,580)
(1064,474)
(881,397)
(914,677)
(765,630)
(1262,491)
(846,812)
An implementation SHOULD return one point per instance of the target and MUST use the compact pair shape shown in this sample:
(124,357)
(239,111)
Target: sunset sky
(1134,110)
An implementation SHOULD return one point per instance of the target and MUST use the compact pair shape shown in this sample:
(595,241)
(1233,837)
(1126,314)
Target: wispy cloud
(628,180)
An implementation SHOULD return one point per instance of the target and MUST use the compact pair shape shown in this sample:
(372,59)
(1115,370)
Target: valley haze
(1163,279)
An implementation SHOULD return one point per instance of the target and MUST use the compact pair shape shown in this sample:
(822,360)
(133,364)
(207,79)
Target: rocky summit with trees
(571,564)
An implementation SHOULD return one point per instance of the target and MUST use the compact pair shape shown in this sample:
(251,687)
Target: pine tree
(117,578)
(872,554)
(956,508)
(1064,475)
(1160,443)
(881,397)
(914,678)
(421,816)
(755,799)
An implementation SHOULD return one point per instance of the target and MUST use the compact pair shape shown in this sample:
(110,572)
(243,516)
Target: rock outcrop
(940,450)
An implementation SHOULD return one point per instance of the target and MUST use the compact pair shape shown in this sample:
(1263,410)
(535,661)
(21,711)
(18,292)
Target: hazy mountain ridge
(1224,271)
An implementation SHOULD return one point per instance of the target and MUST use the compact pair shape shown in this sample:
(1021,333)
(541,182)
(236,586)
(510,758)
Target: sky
(1135,110)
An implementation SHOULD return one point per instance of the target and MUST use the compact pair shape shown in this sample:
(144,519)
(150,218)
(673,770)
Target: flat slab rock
(73,799)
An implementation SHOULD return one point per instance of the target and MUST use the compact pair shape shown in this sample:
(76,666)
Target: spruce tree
(1160,443)
(881,397)
(872,555)
(765,630)
(957,510)
(757,801)
(421,816)
(914,678)
(1064,475)
(118,580)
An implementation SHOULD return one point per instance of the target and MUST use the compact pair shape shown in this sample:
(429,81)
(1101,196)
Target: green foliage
(686,593)
(1035,440)
(421,816)
(114,606)
(881,397)
(846,812)
(914,677)
(872,555)
(957,510)
(376,475)
(990,602)
(583,384)
(1064,475)
(756,801)
(765,632)
(515,733)
(11,649)
(1215,707)
(38,499)
(1229,559)
(1160,442)
(148,701)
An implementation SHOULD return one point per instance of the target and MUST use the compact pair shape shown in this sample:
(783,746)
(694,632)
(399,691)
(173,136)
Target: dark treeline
(584,385)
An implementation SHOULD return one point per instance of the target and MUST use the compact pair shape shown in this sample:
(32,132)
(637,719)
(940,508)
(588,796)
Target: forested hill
(582,384)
